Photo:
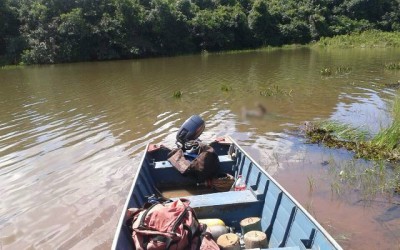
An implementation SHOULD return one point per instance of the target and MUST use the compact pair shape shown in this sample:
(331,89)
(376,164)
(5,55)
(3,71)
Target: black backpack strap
(141,224)
(200,234)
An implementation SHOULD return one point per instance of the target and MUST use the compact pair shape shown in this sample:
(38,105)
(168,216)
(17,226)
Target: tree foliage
(52,31)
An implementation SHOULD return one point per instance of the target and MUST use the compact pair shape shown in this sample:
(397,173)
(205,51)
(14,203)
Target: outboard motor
(190,130)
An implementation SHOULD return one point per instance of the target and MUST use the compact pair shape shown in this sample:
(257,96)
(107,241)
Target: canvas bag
(170,226)
(203,167)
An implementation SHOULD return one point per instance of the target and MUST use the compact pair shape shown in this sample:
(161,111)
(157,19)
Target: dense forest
(52,31)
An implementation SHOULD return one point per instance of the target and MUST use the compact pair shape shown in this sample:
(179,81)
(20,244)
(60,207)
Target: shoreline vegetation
(48,32)
(384,146)
(365,39)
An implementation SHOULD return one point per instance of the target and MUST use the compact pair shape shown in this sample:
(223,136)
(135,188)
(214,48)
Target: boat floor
(185,192)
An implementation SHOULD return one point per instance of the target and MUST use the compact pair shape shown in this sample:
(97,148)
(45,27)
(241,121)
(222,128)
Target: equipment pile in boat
(225,202)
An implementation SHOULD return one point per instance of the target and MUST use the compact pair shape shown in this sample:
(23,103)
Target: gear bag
(204,166)
(169,226)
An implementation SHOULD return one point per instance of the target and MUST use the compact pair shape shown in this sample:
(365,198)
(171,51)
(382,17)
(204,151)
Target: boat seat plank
(223,198)
(282,248)
(231,206)
(225,161)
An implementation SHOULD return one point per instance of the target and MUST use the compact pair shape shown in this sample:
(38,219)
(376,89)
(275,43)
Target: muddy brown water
(71,136)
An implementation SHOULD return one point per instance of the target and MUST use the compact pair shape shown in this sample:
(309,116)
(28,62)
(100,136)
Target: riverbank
(366,39)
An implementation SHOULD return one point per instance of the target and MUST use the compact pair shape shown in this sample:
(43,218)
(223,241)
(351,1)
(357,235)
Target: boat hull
(286,223)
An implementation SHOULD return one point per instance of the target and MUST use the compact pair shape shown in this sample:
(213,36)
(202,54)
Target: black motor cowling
(191,129)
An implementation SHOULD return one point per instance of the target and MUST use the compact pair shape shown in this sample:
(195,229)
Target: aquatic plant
(392,66)
(343,69)
(226,88)
(337,135)
(326,72)
(371,179)
(392,84)
(339,131)
(389,138)
(275,90)
(339,70)
(178,94)
(385,145)
(311,183)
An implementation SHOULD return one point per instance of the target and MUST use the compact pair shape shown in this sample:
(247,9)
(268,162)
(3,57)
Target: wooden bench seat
(228,206)
(224,160)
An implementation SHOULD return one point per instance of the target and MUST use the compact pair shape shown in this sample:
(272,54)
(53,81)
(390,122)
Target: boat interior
(285,223)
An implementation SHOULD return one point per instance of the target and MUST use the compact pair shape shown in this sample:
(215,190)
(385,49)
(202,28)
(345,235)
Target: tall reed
(389,138)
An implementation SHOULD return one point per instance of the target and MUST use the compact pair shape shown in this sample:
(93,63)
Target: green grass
(265,48)
(7,67)
(385,145)
(389,138)
(342,131)
(371,180)
(366,39)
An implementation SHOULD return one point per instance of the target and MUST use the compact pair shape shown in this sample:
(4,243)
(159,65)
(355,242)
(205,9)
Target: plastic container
(217,231)
(240,185)
(212,222)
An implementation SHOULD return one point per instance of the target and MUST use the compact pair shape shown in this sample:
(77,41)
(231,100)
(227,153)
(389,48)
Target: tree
(130,15)
(223,28)
(263,24)
(74,35)
(168,29)
(39,30)
(9,34)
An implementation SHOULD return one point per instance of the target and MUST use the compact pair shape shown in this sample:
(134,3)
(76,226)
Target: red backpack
(170,226)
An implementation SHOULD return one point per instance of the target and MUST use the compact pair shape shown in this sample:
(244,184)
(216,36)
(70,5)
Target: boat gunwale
(130,194)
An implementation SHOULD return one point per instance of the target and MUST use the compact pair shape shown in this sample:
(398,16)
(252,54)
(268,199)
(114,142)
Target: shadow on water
(71,135)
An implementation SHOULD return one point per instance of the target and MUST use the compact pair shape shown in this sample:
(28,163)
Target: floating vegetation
(338,71)
(336,135)
(394,85)
(178,94)
(392,66)
(226,88)
(275,90)
(340,131)
(343,70)
(326,72)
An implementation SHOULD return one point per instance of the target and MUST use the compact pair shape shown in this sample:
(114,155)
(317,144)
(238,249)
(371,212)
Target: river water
(71,135)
